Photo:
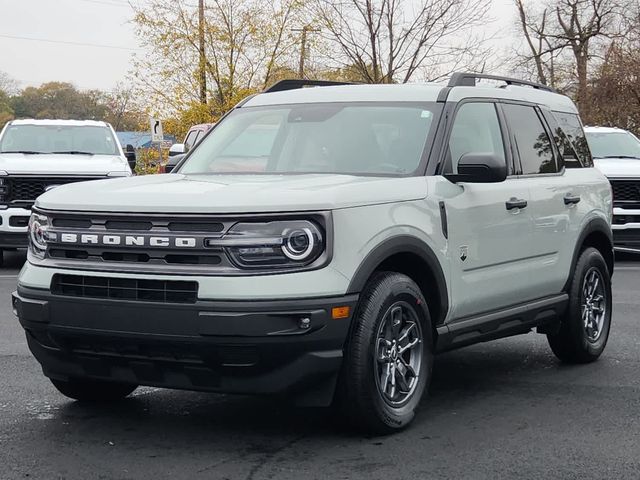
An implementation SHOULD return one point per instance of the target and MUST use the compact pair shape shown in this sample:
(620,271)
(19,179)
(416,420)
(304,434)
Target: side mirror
(130,154)
(480,168)
(177,149)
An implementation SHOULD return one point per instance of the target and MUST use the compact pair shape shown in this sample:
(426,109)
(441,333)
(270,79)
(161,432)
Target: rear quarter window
(572,141)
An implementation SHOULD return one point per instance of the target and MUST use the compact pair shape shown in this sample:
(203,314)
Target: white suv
(37,155)
(326,243)
(616,153)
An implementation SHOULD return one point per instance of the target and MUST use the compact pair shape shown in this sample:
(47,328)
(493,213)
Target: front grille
(164,291)
(141,256)
(626,191)
(24,190)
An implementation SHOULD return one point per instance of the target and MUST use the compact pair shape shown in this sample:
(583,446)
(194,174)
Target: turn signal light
(340,312)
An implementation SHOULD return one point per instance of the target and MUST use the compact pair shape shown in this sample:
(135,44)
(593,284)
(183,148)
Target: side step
(543,313)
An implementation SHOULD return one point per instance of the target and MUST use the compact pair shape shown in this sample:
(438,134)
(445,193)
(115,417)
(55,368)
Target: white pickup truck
(38,155)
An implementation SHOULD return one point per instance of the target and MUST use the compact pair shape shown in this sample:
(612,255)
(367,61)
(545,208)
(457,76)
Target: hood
(176,193)
(60,164)
(618,167)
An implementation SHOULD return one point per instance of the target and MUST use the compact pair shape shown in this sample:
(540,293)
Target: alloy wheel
(399,345)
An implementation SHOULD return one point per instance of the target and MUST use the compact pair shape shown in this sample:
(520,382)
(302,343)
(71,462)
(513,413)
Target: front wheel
(389,356)
(93,390)
(584,329)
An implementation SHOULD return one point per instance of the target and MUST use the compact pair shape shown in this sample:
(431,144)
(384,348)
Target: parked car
(371,227)
(616,153)
(171,163)
(178,151)
(194,135)
(38,155)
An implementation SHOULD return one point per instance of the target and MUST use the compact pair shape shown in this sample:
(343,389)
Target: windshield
(380,138)
(60,139)
(614,145)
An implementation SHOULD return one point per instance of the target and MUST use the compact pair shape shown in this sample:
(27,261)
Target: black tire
(359,390)
(574,343)
(85,390)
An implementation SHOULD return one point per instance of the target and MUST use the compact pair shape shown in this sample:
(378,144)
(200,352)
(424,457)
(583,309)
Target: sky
(90,43)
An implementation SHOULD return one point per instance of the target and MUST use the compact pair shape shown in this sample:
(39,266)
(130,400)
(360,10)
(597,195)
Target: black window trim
(447,122)
(516,154)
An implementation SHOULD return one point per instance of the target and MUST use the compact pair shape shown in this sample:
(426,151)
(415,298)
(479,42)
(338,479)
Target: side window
(476,129)
(191,139)
(531,140)
(573,141)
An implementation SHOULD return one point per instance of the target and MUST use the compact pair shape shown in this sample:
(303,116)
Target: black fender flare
(402,244)
(599,225)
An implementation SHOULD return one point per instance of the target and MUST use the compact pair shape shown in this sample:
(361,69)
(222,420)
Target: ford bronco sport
(325,243)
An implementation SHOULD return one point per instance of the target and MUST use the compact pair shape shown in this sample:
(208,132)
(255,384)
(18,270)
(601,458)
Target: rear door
(554,196)
(490,226)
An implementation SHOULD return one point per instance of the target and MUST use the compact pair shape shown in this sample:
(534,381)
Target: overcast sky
(85,24)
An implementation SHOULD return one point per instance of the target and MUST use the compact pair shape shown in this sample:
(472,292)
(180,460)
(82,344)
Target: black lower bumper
(13,240)
(259,347)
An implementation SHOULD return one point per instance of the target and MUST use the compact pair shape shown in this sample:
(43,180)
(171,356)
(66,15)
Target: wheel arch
(413,257)
(597,234)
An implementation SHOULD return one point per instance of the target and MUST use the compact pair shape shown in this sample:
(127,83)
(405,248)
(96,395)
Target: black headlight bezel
(324,222)
(269,244)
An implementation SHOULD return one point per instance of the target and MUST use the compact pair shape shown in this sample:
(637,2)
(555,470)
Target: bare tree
(541,51)
(563,37)
(582,22)
(388,41)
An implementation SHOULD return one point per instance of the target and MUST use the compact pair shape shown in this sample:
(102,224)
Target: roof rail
(470,79)
(292,84)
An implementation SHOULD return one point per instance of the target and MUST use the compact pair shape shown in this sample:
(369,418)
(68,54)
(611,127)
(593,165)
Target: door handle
(570,199)
(516,203)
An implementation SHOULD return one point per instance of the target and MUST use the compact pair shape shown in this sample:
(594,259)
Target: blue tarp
(141,139)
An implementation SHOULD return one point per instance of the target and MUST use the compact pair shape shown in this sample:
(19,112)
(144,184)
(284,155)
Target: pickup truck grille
(23,191)
(626,191)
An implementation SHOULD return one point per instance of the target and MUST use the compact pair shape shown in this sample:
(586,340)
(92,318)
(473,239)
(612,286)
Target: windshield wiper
(73,152)
(26,152)
(631,157)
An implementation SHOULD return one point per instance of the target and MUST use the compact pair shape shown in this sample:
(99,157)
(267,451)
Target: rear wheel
(93,390)
(389,357)
(584,329)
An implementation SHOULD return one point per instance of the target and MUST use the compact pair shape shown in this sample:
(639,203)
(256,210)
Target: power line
(111,3)
(63,42)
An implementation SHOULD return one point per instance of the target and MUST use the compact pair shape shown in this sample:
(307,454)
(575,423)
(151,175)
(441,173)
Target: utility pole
(303,46)
(202,72)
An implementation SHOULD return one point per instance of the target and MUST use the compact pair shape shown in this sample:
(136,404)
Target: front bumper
(626,229)
(234,346)
(13,227)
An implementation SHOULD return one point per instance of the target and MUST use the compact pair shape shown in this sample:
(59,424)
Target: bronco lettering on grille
(128,240)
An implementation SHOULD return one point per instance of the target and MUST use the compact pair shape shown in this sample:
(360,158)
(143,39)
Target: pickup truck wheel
(93,390)
(584,329)
(389,356)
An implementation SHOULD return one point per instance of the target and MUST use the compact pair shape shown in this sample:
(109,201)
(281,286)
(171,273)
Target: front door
(490,227)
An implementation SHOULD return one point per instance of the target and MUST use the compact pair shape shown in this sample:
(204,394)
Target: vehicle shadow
(186,416)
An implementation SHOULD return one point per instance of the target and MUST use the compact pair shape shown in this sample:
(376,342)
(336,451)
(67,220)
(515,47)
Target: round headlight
(298,244)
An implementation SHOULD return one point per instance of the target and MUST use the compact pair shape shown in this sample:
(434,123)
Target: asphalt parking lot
(505,409)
